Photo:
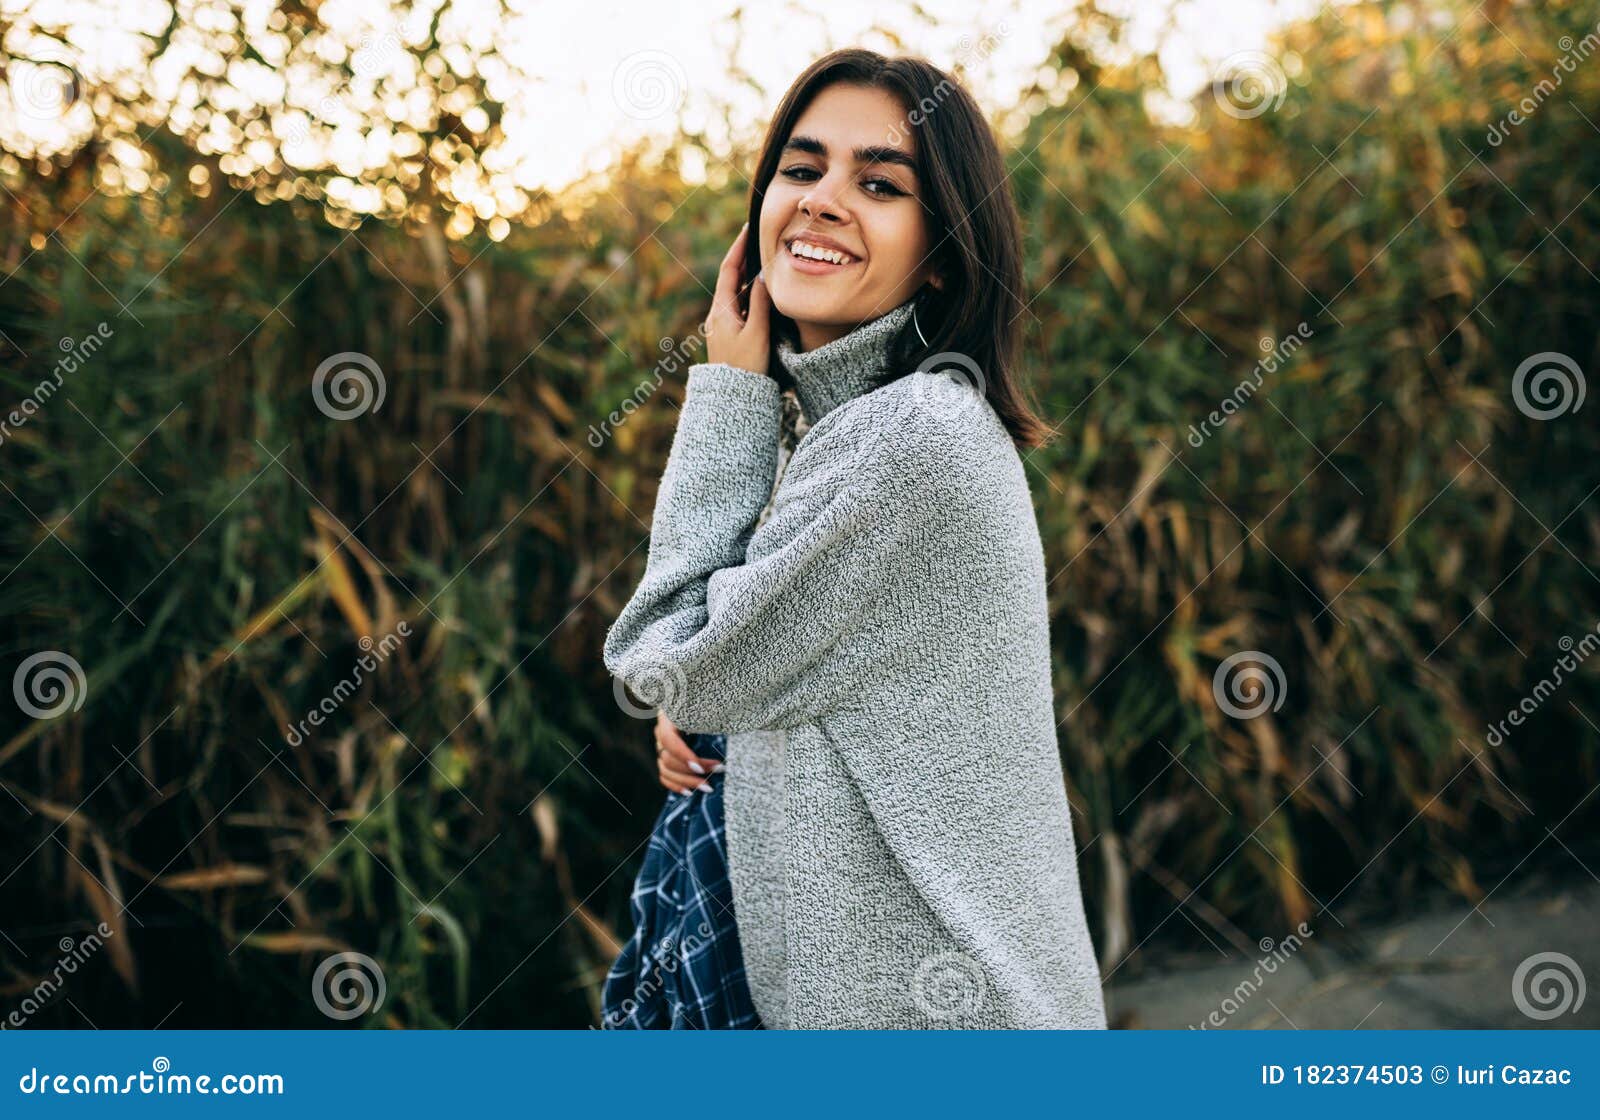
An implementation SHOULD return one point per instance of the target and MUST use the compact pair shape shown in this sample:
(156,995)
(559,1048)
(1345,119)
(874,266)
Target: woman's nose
(821,201)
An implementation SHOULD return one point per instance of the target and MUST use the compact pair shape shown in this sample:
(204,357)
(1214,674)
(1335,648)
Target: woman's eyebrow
(869,153)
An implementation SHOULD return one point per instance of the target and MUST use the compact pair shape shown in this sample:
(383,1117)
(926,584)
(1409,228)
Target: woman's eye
(884,187)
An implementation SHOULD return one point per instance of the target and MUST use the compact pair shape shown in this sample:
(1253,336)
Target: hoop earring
(917,325)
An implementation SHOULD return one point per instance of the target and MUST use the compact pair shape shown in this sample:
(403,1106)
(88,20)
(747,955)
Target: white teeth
(817,253)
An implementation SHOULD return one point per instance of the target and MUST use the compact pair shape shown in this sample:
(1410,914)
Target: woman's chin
(803,306)
(817,301)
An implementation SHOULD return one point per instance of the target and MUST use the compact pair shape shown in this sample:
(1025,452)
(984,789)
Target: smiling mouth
(802,250)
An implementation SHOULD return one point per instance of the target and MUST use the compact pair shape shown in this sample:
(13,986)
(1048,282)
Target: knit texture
(877,652)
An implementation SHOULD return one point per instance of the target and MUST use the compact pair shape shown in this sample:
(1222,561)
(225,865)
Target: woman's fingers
(726,300)
(679,781)
(760,305)
(675,762)
(675,783)
(736,338)
(730,259)
(676,751)
(685,763)
(679,768)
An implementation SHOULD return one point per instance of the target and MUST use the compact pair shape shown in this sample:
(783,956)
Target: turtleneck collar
(847,367)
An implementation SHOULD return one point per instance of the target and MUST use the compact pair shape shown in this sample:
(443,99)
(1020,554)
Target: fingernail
(696,767)
(719,768)
(704,787)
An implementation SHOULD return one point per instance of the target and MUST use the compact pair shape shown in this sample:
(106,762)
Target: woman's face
(865,203)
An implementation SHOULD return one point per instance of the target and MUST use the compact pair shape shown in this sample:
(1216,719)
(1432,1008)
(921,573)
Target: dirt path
(1452,967)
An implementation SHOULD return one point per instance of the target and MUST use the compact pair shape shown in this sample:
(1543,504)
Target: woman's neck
(813,335)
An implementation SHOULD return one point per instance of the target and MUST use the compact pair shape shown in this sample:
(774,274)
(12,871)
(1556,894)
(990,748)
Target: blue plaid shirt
(682,969)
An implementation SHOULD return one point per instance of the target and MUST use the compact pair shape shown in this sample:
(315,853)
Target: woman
(877,651)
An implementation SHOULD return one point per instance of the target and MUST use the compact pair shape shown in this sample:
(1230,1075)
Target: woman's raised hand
(675,762)
(732,338)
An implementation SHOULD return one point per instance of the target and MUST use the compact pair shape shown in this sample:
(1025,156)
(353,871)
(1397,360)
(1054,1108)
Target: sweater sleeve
(726,633)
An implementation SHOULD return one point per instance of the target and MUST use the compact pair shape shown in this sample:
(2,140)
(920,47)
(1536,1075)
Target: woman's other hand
(731,338)
(680,769)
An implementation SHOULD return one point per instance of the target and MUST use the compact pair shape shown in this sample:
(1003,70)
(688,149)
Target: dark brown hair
(972,225)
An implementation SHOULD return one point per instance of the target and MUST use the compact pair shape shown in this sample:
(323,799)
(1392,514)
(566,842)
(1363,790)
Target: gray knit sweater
(877,651)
